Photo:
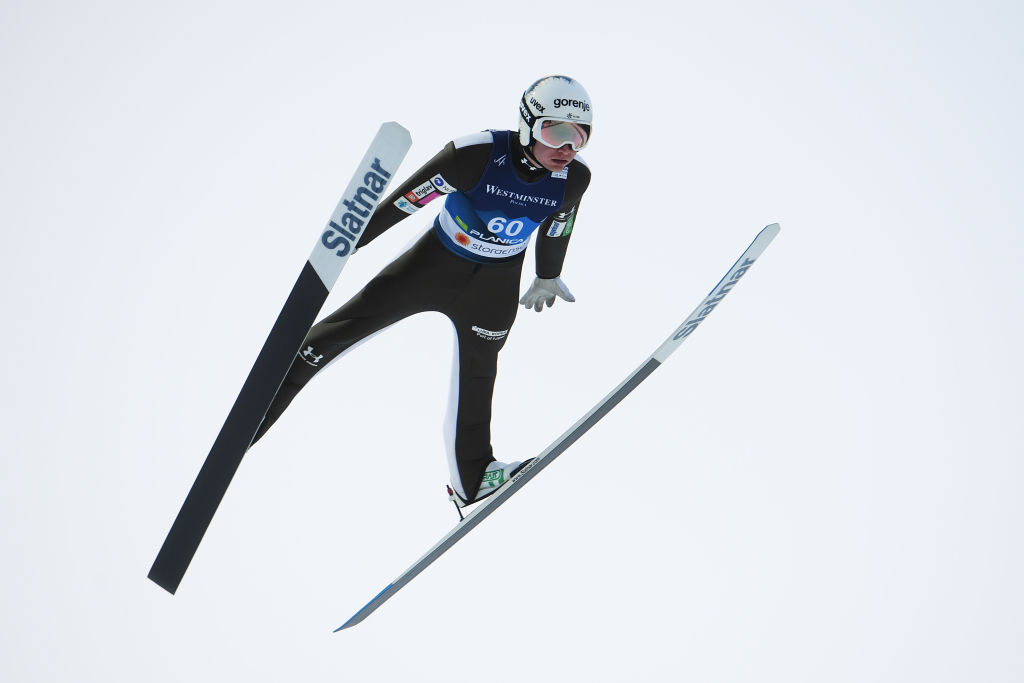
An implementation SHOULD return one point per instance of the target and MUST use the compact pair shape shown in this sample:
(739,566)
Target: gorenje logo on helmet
(579,104)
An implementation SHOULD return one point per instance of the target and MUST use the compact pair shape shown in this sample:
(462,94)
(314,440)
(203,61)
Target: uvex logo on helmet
(578,104)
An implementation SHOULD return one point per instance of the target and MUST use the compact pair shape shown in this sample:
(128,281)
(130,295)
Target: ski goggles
(553,133)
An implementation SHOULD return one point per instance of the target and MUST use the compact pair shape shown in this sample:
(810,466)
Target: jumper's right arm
(453,168)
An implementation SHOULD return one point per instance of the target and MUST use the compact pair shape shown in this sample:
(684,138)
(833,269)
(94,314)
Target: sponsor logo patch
(442,185)
(310,357)
(405,205)
(421,191)
(561,224)
(490,335)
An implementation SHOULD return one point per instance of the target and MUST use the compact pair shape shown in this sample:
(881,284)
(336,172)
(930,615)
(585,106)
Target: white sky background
(822,484)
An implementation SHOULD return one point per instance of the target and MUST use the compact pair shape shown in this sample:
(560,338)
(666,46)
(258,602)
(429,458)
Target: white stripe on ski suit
(450,416)
(451,413)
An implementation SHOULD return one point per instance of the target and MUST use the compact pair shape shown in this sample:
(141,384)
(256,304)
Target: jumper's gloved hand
(543,291)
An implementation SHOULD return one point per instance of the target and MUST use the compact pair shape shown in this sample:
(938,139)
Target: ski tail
(582,426)
(196,514)
(333,247)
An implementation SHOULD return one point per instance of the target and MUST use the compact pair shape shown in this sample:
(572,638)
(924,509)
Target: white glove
(543,291)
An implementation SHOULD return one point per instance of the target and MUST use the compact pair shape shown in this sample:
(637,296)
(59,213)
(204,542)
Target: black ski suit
(467,266)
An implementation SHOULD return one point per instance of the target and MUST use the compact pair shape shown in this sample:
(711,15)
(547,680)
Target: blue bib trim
(494,220)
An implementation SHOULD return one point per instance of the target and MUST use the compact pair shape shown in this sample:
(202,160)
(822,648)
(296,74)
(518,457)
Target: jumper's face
(550,158)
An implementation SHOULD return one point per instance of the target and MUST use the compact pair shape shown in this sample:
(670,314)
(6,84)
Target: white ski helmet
(553,98)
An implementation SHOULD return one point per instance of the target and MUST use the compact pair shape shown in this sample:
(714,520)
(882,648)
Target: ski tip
(356,618)
(774,228)
(168,582)
(367,609)
(396,129)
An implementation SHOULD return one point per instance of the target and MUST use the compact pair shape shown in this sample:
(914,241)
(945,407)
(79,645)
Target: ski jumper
(468,266)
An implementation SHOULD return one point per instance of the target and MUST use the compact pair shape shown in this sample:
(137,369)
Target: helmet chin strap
(527,162)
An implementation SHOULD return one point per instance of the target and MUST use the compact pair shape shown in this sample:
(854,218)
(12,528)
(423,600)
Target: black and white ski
(490,504)
(321,271)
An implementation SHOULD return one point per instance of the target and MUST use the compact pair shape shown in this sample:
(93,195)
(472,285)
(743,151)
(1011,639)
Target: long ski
(320,272)
(492,503)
